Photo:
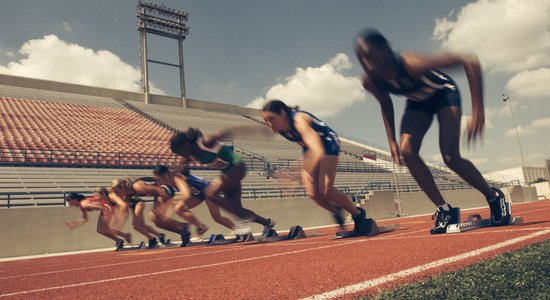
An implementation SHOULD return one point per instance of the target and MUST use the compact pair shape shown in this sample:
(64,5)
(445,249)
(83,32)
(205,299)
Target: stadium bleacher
(56,142)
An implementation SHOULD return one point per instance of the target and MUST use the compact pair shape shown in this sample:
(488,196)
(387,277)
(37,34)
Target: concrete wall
(382,204)
(543,190)
(69,88)
(121,95)
(40,230)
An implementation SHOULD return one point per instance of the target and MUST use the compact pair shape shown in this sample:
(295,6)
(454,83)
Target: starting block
(295,232)
(219,239)
(168,244)
(475,221)
(372,230)
(141,245)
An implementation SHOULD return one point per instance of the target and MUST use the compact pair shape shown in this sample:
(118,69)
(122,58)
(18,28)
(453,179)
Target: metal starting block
(141,245)
(475,221)
(219,239)
(372,230)
(295,232)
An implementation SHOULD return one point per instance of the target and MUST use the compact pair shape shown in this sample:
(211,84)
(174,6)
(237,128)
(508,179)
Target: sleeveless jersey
(105,207)
(416,89)
(197,185)
(218,156)
(329,138)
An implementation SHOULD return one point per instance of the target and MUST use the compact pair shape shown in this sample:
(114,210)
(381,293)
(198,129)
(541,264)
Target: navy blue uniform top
(416,89)
(197,185)
(328,137)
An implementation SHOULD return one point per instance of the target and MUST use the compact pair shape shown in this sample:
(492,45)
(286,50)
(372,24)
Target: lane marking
(355,241)
(174,270)
(365,285)
(229,248)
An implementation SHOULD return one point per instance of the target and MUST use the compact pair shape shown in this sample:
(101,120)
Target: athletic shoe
(202,229)
(185,237)
(152,243)
(443,218)
(339,217)
(500,212)
(162,239)
(360,221)
(268,228)
(119,245)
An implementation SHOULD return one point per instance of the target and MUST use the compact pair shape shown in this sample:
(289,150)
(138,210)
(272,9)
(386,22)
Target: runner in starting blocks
(295,232)
(475,221)
(372,230)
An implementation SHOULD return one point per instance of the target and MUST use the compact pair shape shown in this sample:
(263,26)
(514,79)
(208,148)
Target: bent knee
(451,159)
(408,152)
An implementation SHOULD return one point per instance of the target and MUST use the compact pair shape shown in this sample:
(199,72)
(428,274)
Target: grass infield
(522,274)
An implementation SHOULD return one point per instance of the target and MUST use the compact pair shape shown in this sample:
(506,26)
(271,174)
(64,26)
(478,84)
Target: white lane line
(178,270)
(233,247)
(354,241)
(122,263)
(365,285)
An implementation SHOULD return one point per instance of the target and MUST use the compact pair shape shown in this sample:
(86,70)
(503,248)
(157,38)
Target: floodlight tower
(506,98)
(167,22)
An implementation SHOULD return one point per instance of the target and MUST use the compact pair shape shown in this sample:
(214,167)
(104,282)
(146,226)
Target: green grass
(522,274)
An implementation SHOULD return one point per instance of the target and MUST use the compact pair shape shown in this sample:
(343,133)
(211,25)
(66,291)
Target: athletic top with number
(218,156)
(416,89)
(329,138)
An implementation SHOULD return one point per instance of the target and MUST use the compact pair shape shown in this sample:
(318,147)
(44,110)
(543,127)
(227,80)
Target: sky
(243,52)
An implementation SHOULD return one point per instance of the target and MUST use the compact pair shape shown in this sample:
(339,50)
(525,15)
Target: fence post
(64,199)
(254,193)
(9,200)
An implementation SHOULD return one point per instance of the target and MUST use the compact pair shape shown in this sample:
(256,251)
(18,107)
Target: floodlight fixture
(161,20)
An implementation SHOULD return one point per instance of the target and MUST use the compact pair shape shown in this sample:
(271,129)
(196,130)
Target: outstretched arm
(121,212)
(388,117)
(230,132)
(75,223)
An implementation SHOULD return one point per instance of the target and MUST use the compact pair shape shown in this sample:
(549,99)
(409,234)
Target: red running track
(317,267)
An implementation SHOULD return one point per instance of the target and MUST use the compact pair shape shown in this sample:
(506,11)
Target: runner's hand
(395,154)
(475,127)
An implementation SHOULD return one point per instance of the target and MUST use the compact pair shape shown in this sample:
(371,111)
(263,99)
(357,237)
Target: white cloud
(531,159)
(531,129)
(508,35)
(324,90)
(53,59)
(530,84)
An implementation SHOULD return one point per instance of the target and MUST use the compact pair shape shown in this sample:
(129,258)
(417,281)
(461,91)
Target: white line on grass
(365,285)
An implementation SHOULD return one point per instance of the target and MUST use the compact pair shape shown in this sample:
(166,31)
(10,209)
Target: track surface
(316,267)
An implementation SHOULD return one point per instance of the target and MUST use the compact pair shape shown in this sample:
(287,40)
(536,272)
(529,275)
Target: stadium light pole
(506,98)
(167,22)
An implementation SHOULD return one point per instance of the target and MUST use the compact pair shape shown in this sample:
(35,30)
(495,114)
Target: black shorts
(133,202)
(439,100)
